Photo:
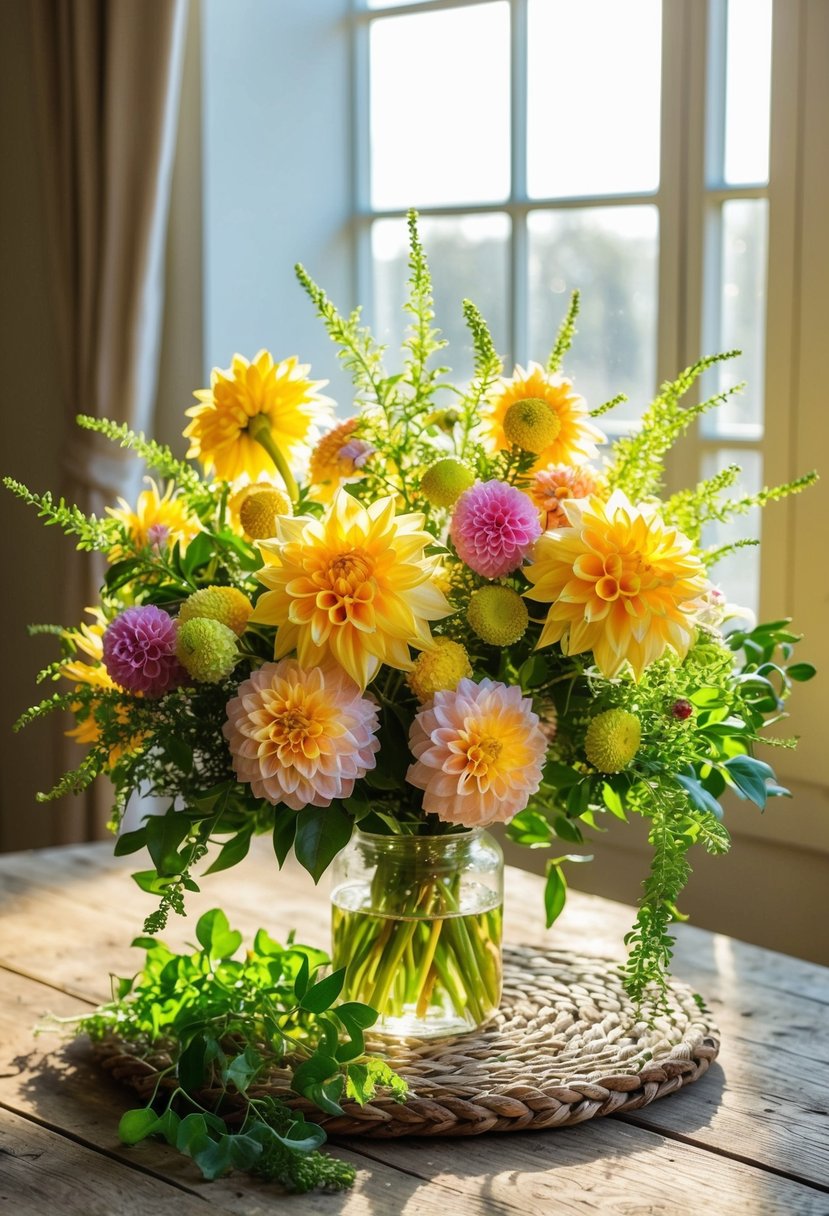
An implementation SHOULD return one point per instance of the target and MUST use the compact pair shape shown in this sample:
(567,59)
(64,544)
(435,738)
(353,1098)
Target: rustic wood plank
(60,1086)
(768,1101)
(602,1167)
(43,1172)
(505,1174)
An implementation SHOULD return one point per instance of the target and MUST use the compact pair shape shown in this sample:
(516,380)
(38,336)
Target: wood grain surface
(751,1137)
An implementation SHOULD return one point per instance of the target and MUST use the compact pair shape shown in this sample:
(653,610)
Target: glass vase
(417,925)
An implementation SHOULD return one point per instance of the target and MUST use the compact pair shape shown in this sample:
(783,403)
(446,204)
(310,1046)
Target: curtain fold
(108,75)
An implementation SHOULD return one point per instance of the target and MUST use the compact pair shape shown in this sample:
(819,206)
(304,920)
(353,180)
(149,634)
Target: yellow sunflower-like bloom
(618,583)
(158,519)
(221,435)
(354,586)
(575,436)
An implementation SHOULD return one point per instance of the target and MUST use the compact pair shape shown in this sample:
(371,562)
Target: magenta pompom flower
(493,527)
(139,651)
(479,750)
(299,737)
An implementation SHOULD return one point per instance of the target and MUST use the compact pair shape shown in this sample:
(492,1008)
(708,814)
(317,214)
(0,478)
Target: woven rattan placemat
(567,1045)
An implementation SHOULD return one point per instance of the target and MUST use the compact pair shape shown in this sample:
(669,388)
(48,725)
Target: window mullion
(362,272)
(519,245)
(683,168)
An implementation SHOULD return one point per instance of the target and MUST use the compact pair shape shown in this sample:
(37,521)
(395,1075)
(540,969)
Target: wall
(31,435)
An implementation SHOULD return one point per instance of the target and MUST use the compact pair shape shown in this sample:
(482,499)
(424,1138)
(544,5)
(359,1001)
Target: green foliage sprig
(91,532)
(231,1027)
(637,466)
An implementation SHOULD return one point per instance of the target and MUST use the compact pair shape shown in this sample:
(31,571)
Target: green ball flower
(498,615)
(207,649)
(226,604)
(612,740)
(444,481)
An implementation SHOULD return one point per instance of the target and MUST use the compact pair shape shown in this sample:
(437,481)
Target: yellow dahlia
(158,520)
(575,437)
(618,583)
(336,459)
(354,586)
(221,433)
(300,737)
(551,488)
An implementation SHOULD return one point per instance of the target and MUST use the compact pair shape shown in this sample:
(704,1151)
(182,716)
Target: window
(569,151)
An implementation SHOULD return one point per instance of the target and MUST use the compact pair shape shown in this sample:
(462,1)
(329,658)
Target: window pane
(593,97)
(610,255)
(739,574)
(742,317)
(440,107)
(747,91)
(468,257)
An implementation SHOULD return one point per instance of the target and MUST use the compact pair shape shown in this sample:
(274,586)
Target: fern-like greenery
(565,336)
(91,532)
(638,460)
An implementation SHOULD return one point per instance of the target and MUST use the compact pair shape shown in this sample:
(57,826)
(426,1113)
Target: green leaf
(321,833)
(243,1068)
(530,829)
(613,801)
(192,1064)
(136,1125)
(130,842)
(750,776)
(215,935)
(179,753)
(301,981)
(232,851)
(284,831)
(565,829)
(801,672)
(322,995)
(164,835)
(555,893)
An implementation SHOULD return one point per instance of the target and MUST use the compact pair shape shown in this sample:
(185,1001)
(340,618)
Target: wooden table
(751,1137)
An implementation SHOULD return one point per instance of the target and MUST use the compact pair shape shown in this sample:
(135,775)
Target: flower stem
(260,429)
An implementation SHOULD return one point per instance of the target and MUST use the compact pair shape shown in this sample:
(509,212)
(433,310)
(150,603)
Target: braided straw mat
(567,1045)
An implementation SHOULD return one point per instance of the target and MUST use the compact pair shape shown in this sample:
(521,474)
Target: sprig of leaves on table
(225,1024)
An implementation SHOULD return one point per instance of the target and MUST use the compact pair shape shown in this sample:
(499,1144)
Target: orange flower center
(617,575)
(481,754)
(344,582)
(292,731)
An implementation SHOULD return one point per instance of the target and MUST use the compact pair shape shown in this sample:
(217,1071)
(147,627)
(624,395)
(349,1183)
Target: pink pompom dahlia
(479,751)
(493,527)
(301,737)
(139,651)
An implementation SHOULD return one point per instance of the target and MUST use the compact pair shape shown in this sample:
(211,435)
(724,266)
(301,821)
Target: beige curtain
(108,74)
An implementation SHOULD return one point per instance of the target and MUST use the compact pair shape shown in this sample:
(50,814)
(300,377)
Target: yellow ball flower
(531,424)
(576,438)
(440,669)
(619,583)
(354,586)
(270,502)
(226,604)
(498,615)
(612,740)
(290,403)
(444,481)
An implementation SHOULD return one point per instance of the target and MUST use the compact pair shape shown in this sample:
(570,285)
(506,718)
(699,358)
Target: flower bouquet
(375,639)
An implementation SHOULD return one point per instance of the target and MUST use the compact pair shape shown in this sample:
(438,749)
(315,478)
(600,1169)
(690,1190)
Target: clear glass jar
(417,923)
